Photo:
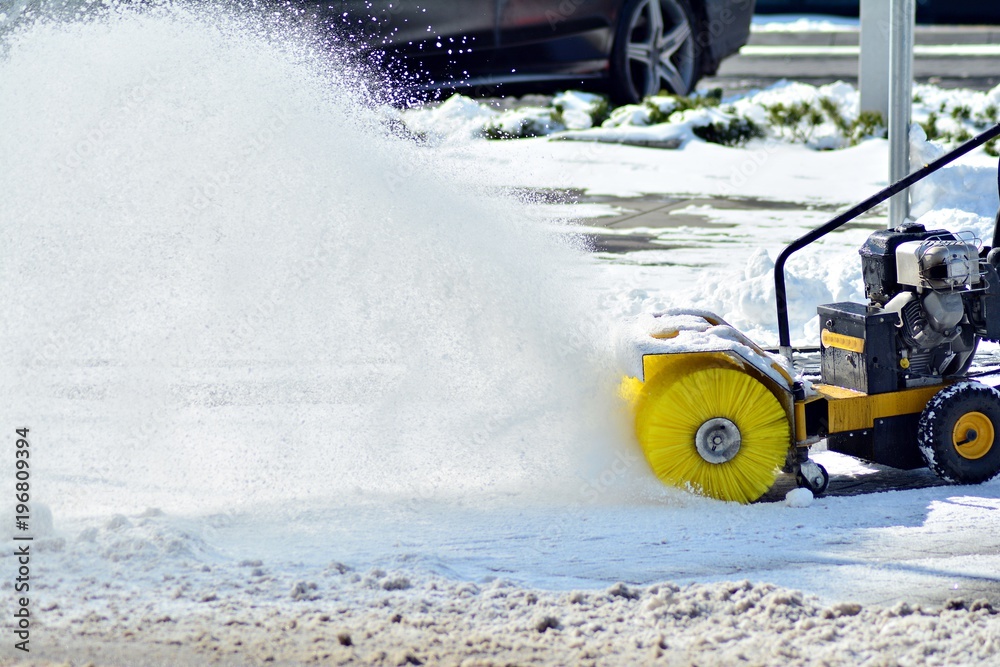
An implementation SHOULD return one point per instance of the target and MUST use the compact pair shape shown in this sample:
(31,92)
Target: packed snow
(307,385)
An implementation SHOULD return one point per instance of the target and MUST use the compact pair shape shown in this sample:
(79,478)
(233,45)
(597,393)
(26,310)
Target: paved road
(952,57)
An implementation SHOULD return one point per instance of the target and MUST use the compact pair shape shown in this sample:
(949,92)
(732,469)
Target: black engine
(932,296)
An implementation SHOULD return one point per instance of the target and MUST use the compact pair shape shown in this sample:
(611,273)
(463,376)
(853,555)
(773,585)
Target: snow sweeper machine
(717,414)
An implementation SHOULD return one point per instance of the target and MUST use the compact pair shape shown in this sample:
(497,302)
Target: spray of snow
(227,280)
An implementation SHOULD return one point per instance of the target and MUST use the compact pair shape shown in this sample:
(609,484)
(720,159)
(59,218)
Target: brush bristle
(672,406)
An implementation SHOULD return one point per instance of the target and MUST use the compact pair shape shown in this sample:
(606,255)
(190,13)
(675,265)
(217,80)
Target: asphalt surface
(948,56)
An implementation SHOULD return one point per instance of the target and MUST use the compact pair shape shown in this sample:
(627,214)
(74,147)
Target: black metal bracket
(784,337)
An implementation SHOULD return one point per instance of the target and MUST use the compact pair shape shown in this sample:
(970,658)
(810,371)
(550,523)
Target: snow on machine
(717,414)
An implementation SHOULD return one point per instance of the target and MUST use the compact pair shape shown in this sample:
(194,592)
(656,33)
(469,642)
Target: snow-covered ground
(803,23)
(301,388)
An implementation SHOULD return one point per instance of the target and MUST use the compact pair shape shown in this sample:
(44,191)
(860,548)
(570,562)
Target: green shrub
(832,111)
(737,132)
(868,124)
(930,126)
(799,120)
(991,147)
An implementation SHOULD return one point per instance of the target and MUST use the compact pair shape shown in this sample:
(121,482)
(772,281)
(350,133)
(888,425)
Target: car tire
(655,49)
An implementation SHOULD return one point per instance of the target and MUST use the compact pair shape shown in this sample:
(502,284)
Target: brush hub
(718,440)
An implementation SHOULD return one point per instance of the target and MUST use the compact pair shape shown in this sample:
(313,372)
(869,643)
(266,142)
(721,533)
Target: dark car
(631,48)
(928,11)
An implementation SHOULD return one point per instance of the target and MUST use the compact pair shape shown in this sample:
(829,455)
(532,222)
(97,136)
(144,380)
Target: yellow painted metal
(800,421)
(842,341)
(979,426)
(783,373)
(854,411)
(802,437)
(655,364)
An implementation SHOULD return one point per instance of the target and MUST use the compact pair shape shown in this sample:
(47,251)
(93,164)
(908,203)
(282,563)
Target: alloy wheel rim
(660,49)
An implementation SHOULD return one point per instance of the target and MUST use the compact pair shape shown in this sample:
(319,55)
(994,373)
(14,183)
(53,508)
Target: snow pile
(145,538)
(943,199)
(461,118)
(799,498)
(685,331)
(254,613)
(952,116)
(457,118)
(821,117)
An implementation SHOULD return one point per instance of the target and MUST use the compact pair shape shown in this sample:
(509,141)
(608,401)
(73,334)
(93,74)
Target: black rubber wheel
(803,483)
(958,433)
(655,49)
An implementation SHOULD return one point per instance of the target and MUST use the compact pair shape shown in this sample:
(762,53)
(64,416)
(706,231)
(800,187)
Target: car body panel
(726,27)
(436,44)
(573,37)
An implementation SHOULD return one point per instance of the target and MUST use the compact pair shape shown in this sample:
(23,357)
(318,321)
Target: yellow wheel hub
(973,435)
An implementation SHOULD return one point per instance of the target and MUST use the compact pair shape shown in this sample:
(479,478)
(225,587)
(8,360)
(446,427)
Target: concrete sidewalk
(948,56)
(925,35)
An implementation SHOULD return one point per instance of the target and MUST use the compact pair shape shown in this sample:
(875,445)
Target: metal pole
(901,28)
(873,62)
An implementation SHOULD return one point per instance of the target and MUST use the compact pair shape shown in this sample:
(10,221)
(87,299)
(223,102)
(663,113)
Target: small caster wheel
(812,476)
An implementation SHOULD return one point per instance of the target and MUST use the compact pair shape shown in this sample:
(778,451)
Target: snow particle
(981,604)
(396,584)
(899,609)
(304,590)
(118,522)
(622,591)
(546,623)
(408,658)
(955,604)
(87,535)
(338,567)
(845,609)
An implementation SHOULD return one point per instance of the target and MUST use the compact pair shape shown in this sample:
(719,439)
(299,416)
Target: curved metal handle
(784,338)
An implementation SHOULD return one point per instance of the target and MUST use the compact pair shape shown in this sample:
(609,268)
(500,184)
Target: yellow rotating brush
(716,430)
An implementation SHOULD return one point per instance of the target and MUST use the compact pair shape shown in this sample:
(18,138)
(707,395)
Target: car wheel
(654,50)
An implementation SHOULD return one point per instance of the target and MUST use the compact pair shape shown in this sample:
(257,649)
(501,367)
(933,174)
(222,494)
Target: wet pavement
(644,223)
